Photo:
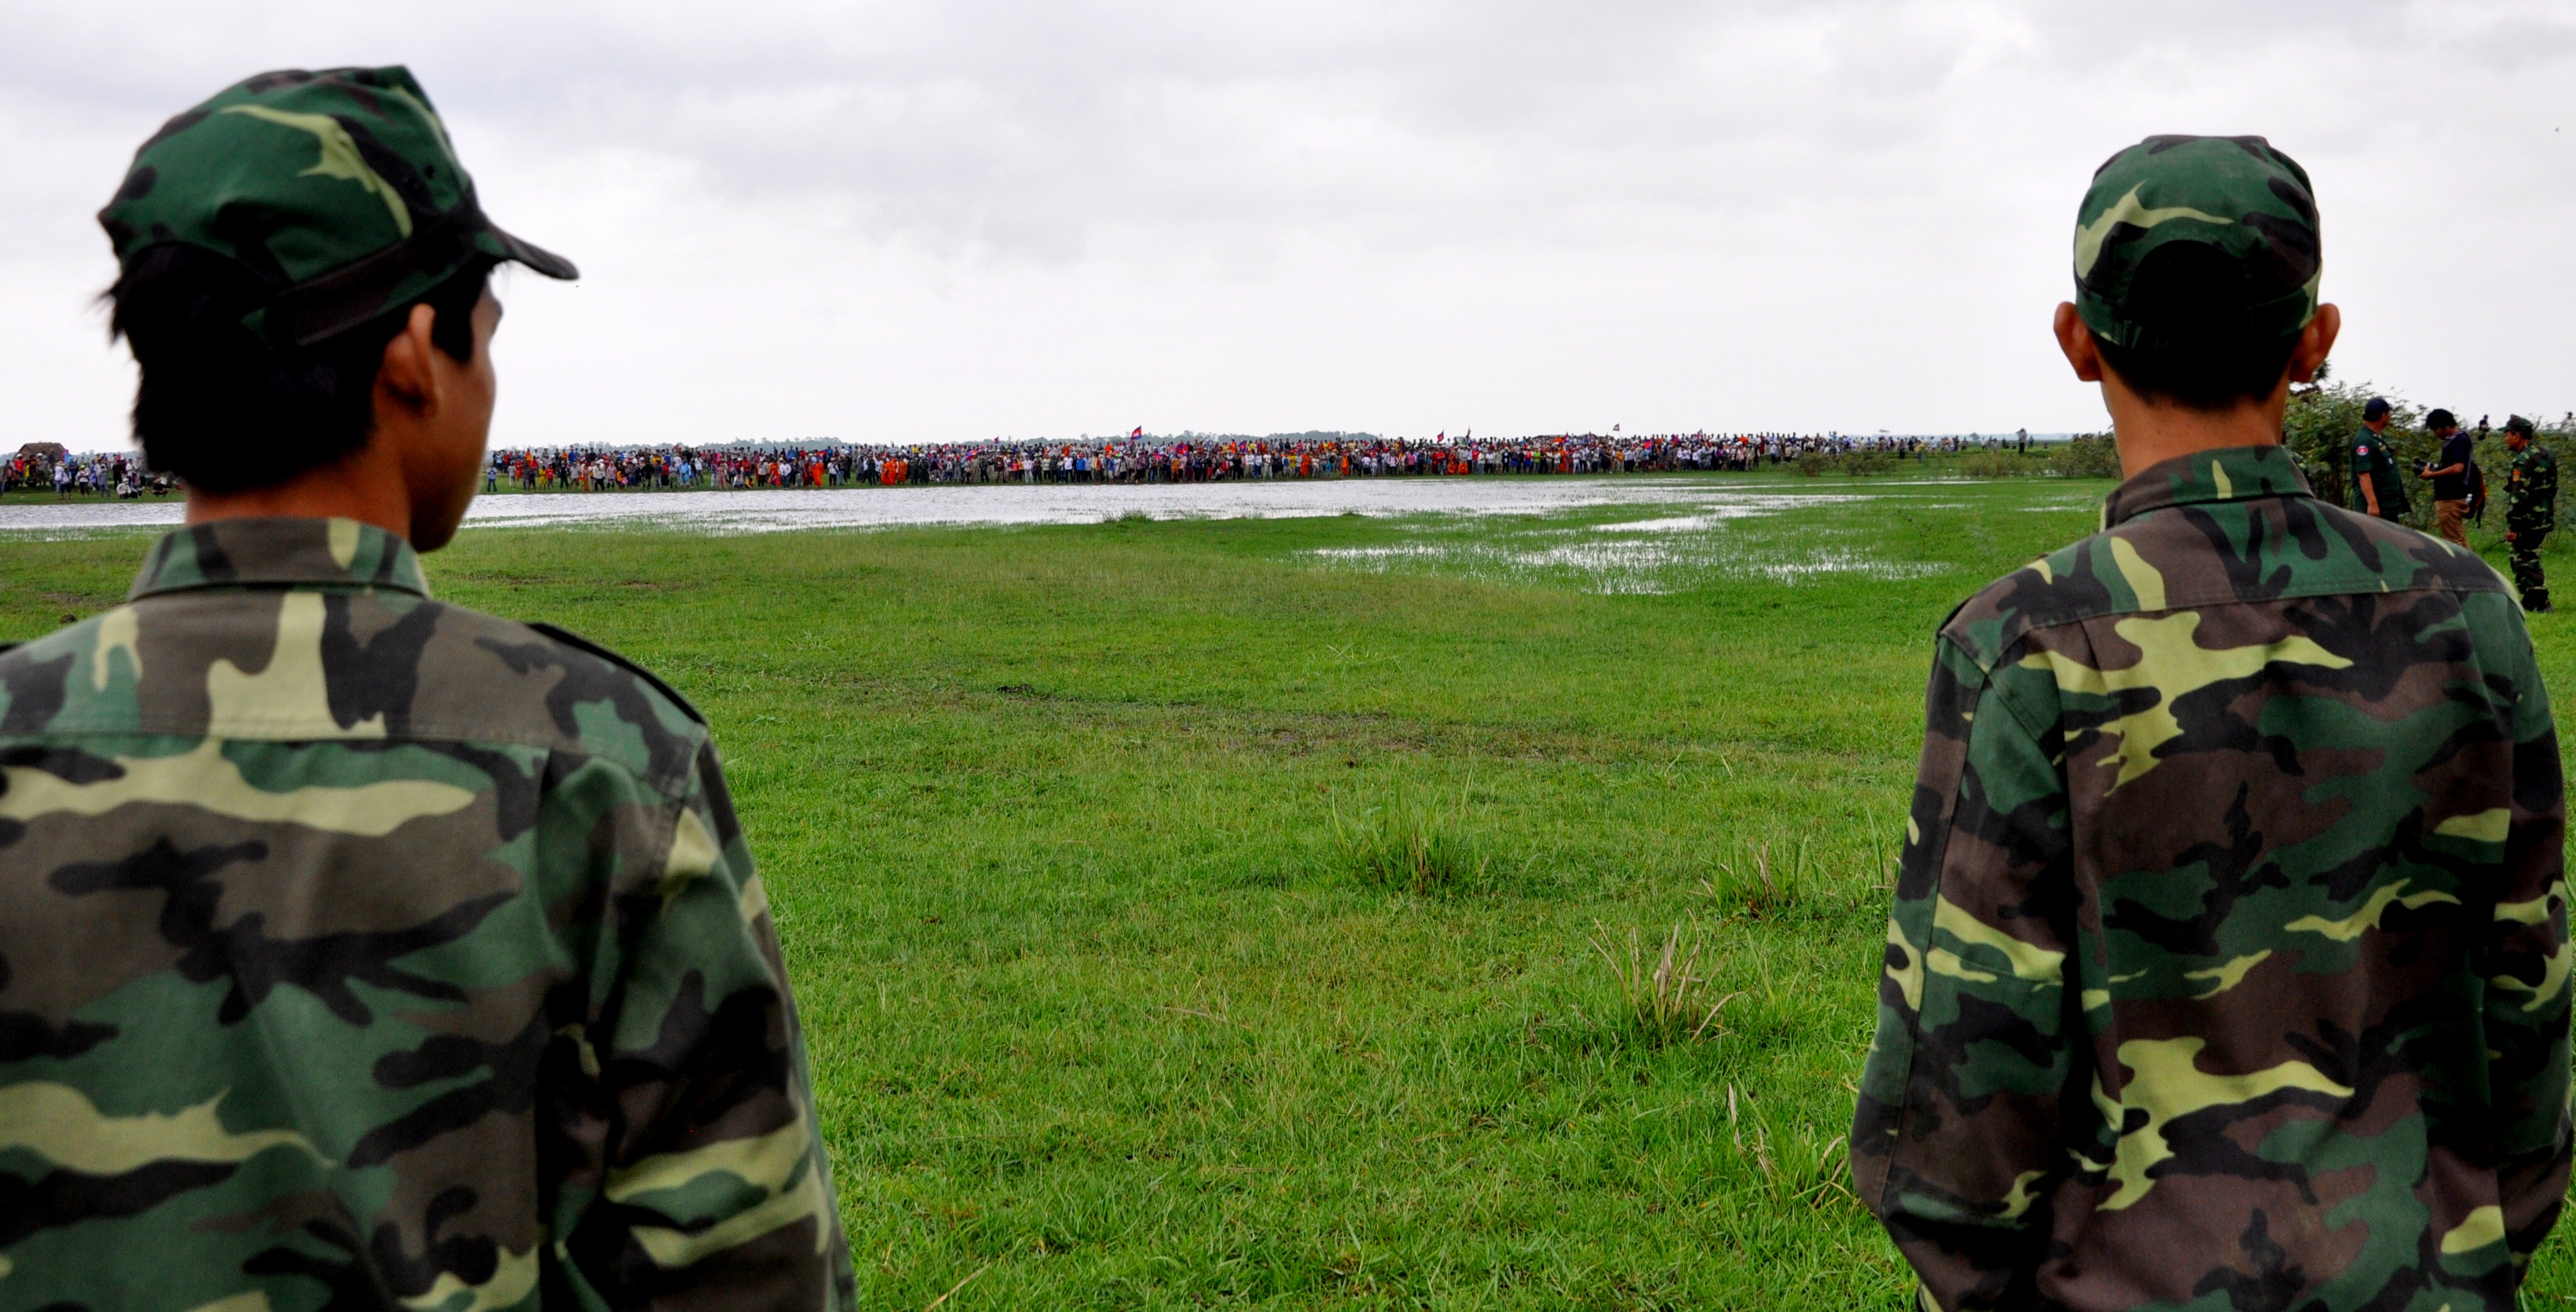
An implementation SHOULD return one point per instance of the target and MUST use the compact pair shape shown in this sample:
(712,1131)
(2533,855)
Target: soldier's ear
(2076,341)
(2316,342)
(407,379)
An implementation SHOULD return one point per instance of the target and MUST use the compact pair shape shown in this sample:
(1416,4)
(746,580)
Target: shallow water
(1717,537)
(1707,499)
(1630,534)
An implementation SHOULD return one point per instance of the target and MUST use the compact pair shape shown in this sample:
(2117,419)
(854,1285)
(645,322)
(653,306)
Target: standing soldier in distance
(2530,511)
(358,950)
(2376,485)
(2228,960)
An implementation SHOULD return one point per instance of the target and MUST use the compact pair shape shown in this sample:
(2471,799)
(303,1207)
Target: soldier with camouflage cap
(2530,511)
(358,950)
(2228,965)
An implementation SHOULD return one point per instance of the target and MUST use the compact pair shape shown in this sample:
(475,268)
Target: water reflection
(773,511)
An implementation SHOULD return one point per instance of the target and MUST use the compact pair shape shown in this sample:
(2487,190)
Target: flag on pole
(1140,431)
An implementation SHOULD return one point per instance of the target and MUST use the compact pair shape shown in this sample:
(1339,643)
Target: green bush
(1853,464)
(2086,455)
(2006,463)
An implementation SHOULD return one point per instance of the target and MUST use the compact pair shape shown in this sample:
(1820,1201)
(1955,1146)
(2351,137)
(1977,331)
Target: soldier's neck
(366,485)
(2152,432)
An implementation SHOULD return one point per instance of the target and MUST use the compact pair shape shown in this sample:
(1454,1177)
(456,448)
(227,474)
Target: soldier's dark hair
(222,409)
(2188,300)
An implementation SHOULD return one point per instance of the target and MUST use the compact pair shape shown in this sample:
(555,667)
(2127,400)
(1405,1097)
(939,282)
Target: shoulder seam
(476,737)
(1987,685)
(2027,628)
(582,644)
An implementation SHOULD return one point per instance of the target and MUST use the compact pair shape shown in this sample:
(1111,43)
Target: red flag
(1140,431)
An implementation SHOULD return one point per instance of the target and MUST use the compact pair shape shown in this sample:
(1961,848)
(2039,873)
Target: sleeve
(1957,1138)
(695,1174)
(2525,960)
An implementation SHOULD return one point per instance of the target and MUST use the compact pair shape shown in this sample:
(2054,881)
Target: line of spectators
(43,467)
(1190,458)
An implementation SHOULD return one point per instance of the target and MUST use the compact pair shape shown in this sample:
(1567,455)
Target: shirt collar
(2236,473)
(271,553)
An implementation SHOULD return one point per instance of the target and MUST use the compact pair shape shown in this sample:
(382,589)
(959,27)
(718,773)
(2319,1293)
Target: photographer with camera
(2451,473)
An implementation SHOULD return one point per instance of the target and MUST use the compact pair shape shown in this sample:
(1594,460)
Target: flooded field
(1694,499)
(1673,544)
(1635,535)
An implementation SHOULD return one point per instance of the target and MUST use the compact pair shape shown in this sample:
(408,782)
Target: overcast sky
(955,219)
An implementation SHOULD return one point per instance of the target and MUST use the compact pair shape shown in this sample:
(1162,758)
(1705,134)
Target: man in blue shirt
(2450,474)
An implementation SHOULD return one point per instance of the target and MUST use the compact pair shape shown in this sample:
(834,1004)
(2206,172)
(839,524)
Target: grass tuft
(1754,887)
(1669,1001)
(1798,882)
(1414,848)
(1806,1168)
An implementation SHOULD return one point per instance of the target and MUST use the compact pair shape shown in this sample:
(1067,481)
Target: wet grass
(1412,846)
(1182,915)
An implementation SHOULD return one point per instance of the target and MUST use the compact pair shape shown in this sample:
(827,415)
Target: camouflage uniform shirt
(2228,966)
(359,951)
(2531,490)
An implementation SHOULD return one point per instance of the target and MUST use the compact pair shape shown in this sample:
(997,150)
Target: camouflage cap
(2182,239)
(338,190)
(2518,424)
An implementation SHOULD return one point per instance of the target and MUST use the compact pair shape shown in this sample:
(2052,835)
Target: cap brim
(534,256)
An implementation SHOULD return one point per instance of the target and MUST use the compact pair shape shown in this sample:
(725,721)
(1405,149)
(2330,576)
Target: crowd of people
(1190,458)
(87,473)
(1136,458)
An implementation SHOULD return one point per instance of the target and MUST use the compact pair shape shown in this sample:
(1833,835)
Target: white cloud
(943,220)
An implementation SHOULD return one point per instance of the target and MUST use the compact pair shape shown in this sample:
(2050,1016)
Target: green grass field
(1205,912)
